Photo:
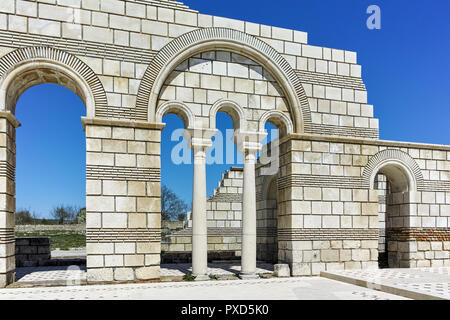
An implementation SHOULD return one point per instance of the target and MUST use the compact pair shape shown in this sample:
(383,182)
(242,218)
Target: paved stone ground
(421,283)
(310,288)
(217,269)
(70,275)
(50,276)
(417,283)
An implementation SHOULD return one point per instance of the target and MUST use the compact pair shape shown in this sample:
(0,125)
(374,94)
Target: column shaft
(249,216)
(199,223)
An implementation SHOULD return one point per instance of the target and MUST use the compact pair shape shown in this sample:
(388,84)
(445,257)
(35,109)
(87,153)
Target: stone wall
(224,207)
(224,212)
(27,228)
(170,226)
(123,204)
(134,61)
(119,39)
(329,217)
(223,244)
(32,252)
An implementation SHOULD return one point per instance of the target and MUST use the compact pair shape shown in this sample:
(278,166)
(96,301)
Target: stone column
(199,140)
(8,124)
(249,144)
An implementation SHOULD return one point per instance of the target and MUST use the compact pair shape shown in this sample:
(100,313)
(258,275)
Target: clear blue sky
(405,65)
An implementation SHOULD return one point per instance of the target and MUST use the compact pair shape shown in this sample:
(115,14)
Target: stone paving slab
(50,276)
(69,254)
(73,275)
(415,283)
(308,288)
(177,271)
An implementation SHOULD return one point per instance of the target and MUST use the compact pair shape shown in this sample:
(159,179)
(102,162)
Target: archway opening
(50,180)
(267,188)
(232,93)
(224,189)
(394,184)
(176,188)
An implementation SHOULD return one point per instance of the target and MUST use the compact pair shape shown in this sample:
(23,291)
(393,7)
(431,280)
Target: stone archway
(20,70)
(201,40)
(397,177)
(37,65)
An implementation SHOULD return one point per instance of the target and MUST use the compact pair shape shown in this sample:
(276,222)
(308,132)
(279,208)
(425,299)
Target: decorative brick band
(11,60)
(322,129)
(266,232)
(92,49)
(436,186)
(123,173)
(418,234)
(211,232)
(123,235)
(331,80)
(213,35)
(7,235)
(300,180)
(8,170)
(327,234)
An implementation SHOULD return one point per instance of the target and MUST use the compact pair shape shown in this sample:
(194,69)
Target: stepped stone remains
(339,198)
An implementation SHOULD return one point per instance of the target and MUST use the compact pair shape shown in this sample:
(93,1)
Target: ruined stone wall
(127,62)
(329,208)
(224,211)
(50,227)
(32,252)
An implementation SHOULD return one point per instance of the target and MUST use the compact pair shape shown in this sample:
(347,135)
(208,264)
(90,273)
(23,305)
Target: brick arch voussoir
(393,155)
(29,54)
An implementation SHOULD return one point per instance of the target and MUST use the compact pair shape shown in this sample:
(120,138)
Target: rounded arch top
(178,108)
(279,119)
(234,110)
(24,60)
(196,41)
(401,169)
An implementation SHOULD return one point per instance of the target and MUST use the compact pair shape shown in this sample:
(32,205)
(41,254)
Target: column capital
(199,137)
(249,141)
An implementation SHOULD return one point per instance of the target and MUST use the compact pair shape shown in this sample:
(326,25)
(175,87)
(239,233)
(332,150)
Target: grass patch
(188,277)
(63,240)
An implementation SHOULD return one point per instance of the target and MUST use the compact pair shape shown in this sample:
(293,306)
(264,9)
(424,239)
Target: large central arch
(200,40)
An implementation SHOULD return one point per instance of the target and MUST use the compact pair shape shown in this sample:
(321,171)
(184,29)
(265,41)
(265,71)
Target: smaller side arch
(398,166)
(178,108)
(234,110)
(270,182)
(279,119)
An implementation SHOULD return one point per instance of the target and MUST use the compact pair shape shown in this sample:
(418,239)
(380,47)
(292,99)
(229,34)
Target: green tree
(65,214)
(81,216)
(171,205)
(24,217)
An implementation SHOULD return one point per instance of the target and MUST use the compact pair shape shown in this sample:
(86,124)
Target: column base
(248,276)
(202,277)
(7,278)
